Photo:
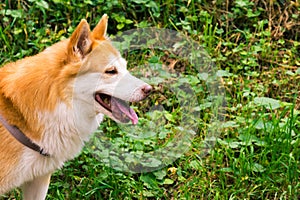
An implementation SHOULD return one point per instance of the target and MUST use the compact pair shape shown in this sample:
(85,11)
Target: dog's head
(103,84)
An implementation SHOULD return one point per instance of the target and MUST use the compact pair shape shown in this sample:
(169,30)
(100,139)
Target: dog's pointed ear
(80,41)
(99,32)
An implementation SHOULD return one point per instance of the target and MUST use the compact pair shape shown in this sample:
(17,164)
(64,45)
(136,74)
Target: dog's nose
(147,89)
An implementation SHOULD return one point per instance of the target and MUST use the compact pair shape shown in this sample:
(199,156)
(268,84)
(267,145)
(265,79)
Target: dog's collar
(21,137)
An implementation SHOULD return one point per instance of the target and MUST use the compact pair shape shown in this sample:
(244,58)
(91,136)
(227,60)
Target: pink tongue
(122,107)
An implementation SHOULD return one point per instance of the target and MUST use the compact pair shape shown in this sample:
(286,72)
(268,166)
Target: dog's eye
(111,71)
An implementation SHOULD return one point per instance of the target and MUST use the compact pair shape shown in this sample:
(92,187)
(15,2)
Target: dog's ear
(80,41)
(99,32)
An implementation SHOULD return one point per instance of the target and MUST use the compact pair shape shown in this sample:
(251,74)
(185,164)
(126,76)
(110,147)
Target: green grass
(255,46)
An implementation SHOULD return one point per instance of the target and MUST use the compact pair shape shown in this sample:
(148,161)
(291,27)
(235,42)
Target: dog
(52,102)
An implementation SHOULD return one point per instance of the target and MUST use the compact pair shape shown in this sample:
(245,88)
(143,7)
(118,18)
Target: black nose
(147,89)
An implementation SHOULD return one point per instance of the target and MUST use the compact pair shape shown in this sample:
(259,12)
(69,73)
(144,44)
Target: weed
(255,46)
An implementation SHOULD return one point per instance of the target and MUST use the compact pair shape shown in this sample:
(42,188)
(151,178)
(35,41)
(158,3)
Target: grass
(255,47)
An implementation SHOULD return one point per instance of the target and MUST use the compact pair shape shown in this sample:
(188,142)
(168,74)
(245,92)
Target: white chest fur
(65,131)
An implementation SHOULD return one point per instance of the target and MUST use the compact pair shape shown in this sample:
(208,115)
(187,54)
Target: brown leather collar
(21,137)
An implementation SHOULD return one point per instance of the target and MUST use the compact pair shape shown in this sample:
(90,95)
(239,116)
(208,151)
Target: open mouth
(119,108)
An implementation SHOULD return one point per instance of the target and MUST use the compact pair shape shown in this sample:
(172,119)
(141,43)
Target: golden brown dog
(50,104)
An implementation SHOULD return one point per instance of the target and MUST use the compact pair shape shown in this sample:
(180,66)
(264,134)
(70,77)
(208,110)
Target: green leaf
(193,80)
(243,3)
(229,124)
(226,169)
(162,135)
(168,181)
(120,26)
(260,143)
(203,76)
(267,102)
(147,134)
(223,73)
(41,4)
(195,165)
(233,144)
(169,117)
(247,139)
(128,21)
(203,106)
(147,193)
(264,125)
(258,168)
(140,1)
(160,175)
(149,180)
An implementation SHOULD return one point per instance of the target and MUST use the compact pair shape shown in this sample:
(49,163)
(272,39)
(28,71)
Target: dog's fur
(53,99)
